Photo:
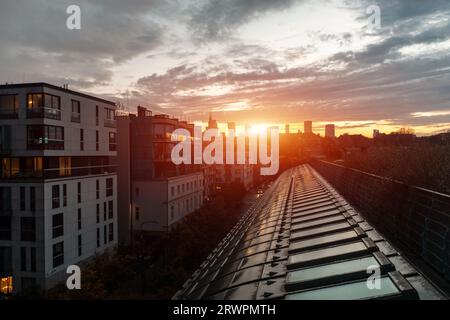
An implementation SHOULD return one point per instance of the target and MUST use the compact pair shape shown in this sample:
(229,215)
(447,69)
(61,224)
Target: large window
(55,197)
(5,200)
(5,228)
(45,137)
(24,167)
(57,225)
(5,139)
(112,141)
(27,229)
(109,187)
(110,120)
(43,105)
(58,254)
(5,260)
(76,111)
(9,106)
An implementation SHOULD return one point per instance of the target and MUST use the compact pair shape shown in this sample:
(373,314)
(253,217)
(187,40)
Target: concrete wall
(416,219)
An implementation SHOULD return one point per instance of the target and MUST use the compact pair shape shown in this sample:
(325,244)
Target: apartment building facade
(154,193)
(58,183)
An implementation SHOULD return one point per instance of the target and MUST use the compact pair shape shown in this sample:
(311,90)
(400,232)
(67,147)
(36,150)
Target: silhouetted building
(329,131)
(307,127)
(212,124)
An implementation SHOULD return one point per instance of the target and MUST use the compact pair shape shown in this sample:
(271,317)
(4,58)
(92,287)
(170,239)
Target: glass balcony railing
(45,144)
(44,112)
(110,123)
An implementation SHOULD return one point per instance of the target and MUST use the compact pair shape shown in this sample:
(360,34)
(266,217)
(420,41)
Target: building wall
(154,201)
(45,274)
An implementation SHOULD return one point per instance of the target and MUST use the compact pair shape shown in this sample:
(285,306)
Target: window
(5,138)
(172,191)
(43,105)
(76,111)
(112,141)
(96,116)
(98,237)
(104,211)
(33,259)
(5,228)
(27,229)
(178,189)
(58,225)
(55,196)
(23,259)
(109,187)
(172,212)
(79,218)
(97,189)
(137,213)
(79,245)
(97,142)
(182,187)
(58,254)
(22,199)
(81,139)
(79,192)
(9,105)
(110,209)
(65,166)
(43,137)
(111,232)
(32,199)
(6,285)
(64,195)
(5,260)
(105,239)
(110,118)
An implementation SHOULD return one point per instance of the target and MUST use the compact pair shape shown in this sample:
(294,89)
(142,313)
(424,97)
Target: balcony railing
(110,123)
(44,112)
(43,144)
(75,117)
(6,114)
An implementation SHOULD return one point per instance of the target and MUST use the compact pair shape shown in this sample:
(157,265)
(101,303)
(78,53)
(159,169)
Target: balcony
(110,123)
(75,117)
(45,144)
(44,112)
(4,114)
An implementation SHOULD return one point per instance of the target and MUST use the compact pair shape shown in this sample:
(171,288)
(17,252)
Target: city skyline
(258,62)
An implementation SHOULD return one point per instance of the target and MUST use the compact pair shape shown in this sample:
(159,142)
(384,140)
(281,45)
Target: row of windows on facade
(56,199)
(58,248)
(186,205)
(55,167)
(44,105)
(52,138)
(181,188)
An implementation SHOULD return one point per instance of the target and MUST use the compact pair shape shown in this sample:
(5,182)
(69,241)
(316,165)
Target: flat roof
(51,86)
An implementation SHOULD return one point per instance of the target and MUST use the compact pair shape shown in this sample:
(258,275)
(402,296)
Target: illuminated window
(6,285)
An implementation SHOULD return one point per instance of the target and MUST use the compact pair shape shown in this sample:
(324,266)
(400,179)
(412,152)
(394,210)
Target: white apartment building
(159,204)
(58,182)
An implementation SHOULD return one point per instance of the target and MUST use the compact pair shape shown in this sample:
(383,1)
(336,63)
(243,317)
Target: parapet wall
(416,219)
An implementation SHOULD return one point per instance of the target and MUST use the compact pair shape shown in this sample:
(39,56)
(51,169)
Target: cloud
(217,19)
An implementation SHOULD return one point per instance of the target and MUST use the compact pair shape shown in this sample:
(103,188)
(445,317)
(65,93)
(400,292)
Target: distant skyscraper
(212,124)
(286,128)
(307,127)
(376,133)
(329,131)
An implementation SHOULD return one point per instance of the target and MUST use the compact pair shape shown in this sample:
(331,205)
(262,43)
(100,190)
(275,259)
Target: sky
(249,61)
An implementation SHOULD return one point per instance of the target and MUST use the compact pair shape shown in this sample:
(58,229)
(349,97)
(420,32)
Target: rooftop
(51,86)
(302,240)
